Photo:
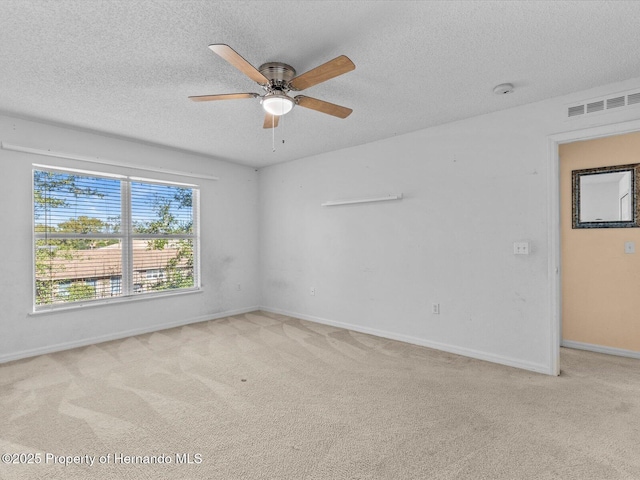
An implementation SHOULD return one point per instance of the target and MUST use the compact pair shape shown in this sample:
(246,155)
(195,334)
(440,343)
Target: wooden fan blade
(235,59)
(322,106)
(324,72)
(270,121)
(225,96)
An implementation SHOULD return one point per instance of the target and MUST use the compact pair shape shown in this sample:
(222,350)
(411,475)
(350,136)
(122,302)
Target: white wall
(229,236)
(471,188)
(600,201)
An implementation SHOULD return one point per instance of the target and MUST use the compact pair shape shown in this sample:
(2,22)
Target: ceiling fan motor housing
(279,74)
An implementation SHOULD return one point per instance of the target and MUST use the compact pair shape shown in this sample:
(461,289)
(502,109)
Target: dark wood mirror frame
(576,175)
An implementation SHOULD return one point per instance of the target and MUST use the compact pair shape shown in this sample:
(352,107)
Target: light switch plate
(629,247)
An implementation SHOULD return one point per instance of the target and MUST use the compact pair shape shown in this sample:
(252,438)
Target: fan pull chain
(273,133)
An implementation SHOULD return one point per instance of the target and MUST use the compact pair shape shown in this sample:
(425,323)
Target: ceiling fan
(277,80)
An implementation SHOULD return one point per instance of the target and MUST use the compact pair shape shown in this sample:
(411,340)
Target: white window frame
(128,292)
(154,274)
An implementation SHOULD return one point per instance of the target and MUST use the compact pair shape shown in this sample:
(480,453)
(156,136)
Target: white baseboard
(118,335)
(466,352)
(620,352)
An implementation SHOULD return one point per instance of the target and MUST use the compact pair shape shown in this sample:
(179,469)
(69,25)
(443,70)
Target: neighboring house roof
(107,261)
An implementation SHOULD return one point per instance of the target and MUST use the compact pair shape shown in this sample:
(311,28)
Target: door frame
(554,258)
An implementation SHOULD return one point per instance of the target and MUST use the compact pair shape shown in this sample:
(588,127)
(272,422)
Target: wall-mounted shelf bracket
(333,203)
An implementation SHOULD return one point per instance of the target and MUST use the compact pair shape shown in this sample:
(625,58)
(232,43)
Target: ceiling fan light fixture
(277,104)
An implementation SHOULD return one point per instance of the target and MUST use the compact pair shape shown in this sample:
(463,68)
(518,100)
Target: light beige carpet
(263,396)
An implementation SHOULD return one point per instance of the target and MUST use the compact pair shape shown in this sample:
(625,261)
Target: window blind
(99,238)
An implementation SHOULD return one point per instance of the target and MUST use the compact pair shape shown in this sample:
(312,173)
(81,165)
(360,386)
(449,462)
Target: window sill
(112,301)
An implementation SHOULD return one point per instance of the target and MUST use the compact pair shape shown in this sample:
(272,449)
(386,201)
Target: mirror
(605,197)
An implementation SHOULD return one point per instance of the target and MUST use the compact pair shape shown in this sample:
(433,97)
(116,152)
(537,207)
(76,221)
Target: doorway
(611,329)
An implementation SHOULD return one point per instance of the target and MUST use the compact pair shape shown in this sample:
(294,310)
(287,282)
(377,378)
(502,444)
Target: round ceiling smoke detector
(503,89)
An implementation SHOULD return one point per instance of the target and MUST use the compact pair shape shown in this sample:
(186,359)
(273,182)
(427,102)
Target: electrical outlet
(313,291)
(521,248)
(435,309)
(239,287)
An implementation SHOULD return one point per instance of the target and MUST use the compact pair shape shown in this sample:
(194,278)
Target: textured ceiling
(127,67)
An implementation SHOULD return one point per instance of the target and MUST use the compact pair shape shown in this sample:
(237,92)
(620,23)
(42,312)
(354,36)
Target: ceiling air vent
(615,102)
(602,105)
(577,110)
(595,106)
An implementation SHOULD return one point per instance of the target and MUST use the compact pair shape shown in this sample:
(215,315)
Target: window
(100,237)
(63,289)
(116,285)
(154,273)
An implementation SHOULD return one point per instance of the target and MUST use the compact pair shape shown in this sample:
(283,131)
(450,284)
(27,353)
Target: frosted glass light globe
(276,104)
